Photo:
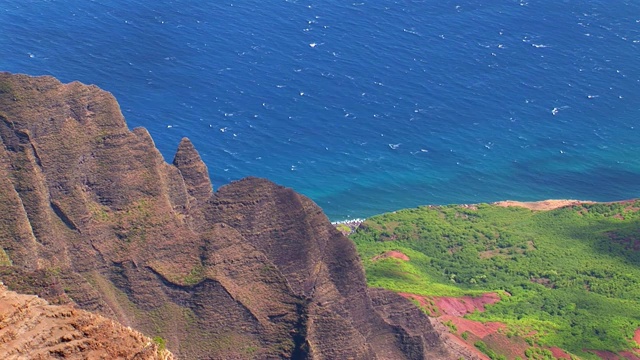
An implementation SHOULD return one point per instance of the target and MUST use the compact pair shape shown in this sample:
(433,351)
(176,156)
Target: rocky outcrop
(92,215)
(31,328)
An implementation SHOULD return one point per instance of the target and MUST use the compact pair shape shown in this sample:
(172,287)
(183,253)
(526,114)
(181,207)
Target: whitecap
(394,146)
(313,45)
(555,111)
(539,45)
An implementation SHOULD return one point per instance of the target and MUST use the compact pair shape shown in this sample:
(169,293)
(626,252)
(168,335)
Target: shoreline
(347,227)
(539,205)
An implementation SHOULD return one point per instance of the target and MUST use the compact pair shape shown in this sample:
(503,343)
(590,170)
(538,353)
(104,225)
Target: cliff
(91,215)
(34,329)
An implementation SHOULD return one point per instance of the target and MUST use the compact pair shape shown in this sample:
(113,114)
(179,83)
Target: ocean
(364,106)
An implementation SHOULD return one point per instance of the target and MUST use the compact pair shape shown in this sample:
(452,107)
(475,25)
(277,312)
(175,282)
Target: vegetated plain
(568,277)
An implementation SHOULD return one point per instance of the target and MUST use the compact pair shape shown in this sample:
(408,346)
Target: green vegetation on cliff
(570,277)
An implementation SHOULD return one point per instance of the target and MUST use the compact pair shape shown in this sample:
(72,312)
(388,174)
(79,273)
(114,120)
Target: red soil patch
(636,336)
(511,347)
(605,355)
(629,355)
(392,254)
(477,328)
(465,305)
(492,333)
(559,353)
(474,350)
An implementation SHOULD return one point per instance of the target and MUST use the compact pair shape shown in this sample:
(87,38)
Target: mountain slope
(90,214)
(32,328)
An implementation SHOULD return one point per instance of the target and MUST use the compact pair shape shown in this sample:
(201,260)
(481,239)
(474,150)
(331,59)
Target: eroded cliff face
(31,328)
(92,215)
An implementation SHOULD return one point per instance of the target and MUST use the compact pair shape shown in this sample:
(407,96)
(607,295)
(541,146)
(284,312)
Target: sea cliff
(92,216)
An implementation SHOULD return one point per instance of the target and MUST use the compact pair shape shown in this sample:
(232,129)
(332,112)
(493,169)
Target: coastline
(540,205)
(347,227)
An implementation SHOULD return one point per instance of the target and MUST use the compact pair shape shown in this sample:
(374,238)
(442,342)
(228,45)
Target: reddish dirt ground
(492,333)
(465,305)
(453,310)
(605,355)
(392,254)
(629,355)
(559,353)
(511,347)
(425,303)
(471,348)
(477,328)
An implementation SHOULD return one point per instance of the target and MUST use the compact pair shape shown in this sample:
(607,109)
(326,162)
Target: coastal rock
(91,215)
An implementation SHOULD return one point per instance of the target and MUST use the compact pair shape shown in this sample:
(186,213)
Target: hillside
(92,216)
(566,278)
(34,329)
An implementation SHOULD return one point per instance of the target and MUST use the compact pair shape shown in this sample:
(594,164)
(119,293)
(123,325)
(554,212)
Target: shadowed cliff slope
(92,215)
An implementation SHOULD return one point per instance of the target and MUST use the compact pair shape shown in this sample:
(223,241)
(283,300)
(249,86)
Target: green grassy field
(573,274)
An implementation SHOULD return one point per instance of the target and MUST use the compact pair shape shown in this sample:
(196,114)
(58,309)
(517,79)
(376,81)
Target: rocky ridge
(32,328)
(91,215)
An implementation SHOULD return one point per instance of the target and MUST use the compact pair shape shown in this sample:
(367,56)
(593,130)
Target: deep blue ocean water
(365,106)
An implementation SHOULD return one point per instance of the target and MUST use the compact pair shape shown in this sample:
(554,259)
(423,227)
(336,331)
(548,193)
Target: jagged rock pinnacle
(194,171)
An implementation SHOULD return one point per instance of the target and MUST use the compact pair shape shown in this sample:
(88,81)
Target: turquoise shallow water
(365,106)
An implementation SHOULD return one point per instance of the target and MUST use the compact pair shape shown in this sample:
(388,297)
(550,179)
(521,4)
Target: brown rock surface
(90,214)
(31,328)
